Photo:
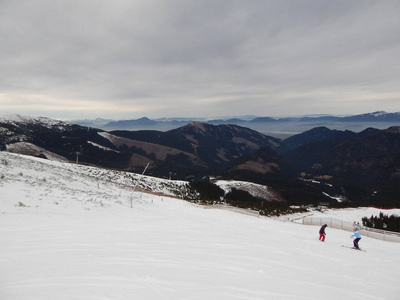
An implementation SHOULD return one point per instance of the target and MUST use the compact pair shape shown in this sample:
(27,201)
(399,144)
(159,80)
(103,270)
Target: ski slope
(69,232)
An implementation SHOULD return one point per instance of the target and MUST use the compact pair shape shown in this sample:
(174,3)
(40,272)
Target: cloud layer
(126,59)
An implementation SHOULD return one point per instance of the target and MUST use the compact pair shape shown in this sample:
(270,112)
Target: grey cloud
(267,54)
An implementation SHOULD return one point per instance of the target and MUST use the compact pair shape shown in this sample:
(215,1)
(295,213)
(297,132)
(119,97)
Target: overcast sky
(181,58)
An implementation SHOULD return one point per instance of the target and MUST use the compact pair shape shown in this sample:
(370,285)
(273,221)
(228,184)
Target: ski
(353,248)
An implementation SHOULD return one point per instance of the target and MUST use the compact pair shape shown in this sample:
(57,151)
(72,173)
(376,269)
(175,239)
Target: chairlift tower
(77,156)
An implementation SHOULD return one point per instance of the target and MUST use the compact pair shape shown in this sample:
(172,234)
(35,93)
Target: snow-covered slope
(33,150)
(37,179)
(256,190)
(69,232)
(23,119)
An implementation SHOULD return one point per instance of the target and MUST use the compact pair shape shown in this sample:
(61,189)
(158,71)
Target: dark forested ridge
(319,165)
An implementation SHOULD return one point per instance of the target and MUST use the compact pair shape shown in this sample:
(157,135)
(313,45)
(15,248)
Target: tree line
(210,193)
(382,221)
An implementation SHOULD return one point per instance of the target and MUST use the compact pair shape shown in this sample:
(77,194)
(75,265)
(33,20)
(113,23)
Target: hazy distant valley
(277,127)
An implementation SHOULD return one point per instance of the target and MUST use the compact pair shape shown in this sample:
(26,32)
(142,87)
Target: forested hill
(363,167)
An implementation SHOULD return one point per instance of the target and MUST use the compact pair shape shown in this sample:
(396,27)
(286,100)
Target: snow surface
(102,147)
(69,232)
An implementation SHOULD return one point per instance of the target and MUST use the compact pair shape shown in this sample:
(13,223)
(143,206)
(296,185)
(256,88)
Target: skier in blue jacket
(357,236)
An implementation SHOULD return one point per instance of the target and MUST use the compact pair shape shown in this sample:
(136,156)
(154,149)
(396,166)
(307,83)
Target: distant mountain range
(320,164)
(247,121)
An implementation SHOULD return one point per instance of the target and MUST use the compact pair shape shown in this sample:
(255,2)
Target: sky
(125,59)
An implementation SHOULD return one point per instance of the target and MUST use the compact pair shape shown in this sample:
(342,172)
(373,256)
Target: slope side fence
(379,234)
